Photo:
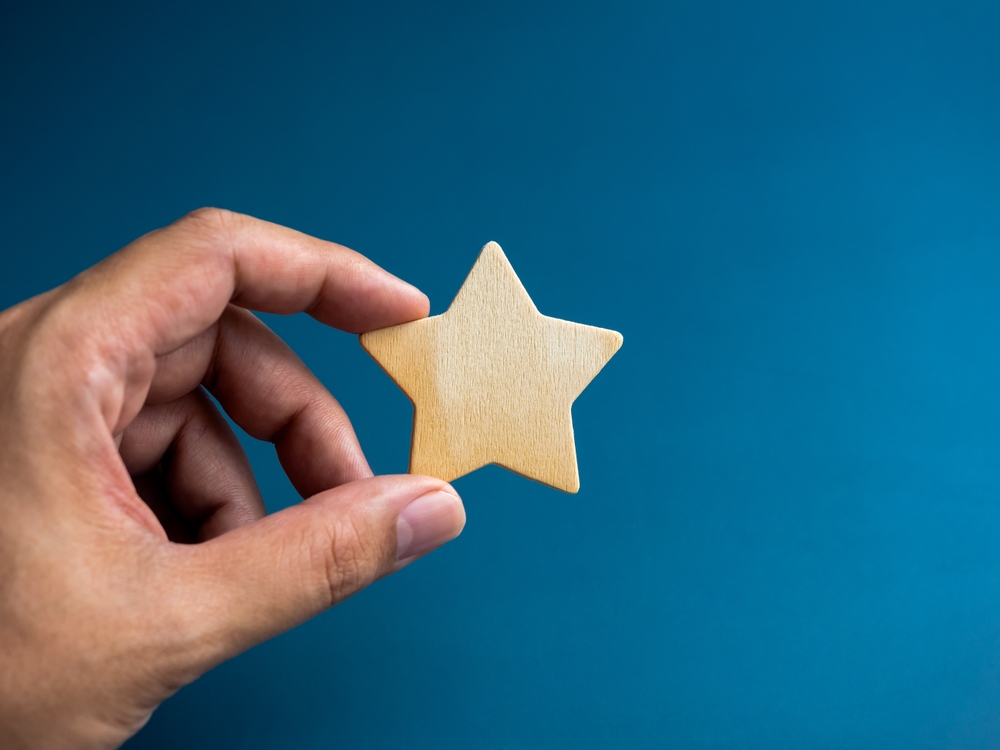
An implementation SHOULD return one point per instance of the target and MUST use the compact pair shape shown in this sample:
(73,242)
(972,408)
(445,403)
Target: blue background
(788,534)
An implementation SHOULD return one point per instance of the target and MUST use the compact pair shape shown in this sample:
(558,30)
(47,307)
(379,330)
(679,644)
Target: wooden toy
(492,380)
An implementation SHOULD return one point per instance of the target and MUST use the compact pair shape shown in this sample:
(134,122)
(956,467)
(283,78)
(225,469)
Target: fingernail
(427,523)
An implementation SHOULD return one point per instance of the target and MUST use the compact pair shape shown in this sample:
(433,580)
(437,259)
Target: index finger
(172,284)
(162,290)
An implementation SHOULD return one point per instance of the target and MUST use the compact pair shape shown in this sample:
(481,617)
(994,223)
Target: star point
(492,380)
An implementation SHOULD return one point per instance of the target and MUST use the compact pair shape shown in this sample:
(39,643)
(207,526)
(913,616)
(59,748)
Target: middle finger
(271,394)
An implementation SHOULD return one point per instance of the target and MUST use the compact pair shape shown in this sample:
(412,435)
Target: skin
(135,551)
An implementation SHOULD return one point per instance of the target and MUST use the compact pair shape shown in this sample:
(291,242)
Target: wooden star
(492,380)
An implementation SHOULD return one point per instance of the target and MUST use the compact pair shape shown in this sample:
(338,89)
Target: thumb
(264,578)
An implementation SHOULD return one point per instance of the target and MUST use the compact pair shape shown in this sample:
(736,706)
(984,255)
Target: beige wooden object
(492,380)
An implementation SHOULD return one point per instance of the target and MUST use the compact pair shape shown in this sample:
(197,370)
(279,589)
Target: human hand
(111,453)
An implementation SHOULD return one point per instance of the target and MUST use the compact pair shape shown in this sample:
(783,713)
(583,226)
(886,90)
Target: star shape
(492,380)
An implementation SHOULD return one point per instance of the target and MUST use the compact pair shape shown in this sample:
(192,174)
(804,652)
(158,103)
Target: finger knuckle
(351,558)
(209,218)
(208,229)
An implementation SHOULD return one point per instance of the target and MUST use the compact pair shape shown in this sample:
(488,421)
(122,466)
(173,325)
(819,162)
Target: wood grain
(492,380)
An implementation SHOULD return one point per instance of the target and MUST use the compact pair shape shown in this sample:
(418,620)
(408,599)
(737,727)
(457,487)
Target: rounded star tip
(492,247)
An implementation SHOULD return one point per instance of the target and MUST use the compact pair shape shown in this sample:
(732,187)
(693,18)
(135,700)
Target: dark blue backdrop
(788,534)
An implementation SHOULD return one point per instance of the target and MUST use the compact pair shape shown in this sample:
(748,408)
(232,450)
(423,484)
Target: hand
(134,549)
